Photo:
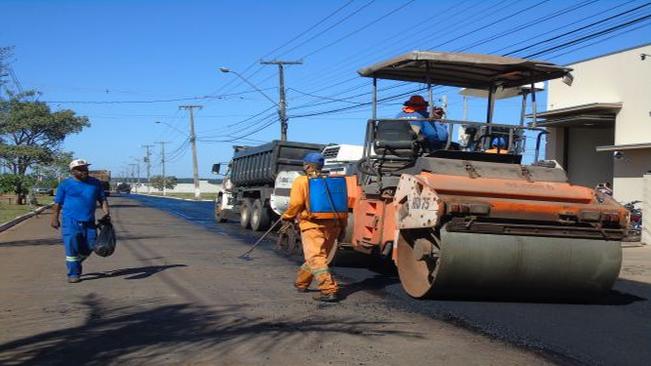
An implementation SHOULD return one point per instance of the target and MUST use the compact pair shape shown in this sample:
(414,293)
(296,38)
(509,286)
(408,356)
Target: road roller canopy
(464,70)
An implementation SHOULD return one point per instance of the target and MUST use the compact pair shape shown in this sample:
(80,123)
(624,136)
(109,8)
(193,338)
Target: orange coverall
(318,237)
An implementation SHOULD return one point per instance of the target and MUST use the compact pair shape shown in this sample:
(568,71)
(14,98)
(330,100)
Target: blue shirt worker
(434,133)
(77,197)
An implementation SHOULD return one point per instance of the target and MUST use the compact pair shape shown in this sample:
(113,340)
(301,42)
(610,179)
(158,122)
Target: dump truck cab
(471,217)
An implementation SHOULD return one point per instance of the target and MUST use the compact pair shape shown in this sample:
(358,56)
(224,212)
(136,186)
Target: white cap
(77,163)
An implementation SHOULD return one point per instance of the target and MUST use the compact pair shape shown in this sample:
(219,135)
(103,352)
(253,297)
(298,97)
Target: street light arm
(227,70)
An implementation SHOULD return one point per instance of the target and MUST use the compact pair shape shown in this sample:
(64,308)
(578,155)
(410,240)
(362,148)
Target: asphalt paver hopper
(462,220)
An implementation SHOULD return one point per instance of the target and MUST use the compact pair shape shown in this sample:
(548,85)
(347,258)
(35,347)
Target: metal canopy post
(430,99)
(374,112)
(534,109)
(369,126)
(523,109)
(491,104)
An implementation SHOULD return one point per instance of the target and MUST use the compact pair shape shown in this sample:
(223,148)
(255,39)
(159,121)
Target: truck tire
(245,214)
(260,216)
(220,215)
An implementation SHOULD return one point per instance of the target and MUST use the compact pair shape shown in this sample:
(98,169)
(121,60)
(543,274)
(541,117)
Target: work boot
(73,279)
(326,297)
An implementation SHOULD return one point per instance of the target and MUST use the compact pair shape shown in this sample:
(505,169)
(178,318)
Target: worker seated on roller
(499,145)
(433,134)
(320,204)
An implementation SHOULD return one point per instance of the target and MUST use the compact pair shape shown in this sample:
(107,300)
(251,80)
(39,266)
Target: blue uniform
(435,133)
(78,200)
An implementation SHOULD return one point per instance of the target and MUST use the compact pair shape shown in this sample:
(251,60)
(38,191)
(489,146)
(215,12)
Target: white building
(600,126)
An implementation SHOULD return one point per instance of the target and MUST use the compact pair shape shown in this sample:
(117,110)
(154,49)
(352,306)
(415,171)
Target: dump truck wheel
(287,243)
(219,211)
(417,260)
(260,216)
(245,214)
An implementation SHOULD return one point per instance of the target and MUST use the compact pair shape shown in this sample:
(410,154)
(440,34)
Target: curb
(19,219)
(172,198)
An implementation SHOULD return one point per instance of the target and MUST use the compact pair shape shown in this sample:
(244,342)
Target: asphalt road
(174,293)
(616,330)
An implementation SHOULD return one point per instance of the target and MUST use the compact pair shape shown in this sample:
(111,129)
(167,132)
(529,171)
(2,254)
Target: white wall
(618,78)
(621,77)
(646,211)
(204,186)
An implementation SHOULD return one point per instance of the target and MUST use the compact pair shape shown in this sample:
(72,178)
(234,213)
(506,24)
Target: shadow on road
(174,333)
(58,241)
(372,284)
(131,273)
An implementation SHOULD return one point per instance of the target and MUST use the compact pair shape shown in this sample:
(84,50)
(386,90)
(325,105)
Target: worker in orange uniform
(317,235)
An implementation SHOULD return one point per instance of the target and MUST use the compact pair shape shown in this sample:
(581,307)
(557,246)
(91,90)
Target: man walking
(317,235)
(77,196)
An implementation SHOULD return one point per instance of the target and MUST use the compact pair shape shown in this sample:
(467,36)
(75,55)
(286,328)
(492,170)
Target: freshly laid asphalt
(615,330)
(175,292)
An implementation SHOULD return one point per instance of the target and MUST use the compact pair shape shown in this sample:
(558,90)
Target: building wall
(646,208)
(628,173)
(617,78)
(620,77)
(587,167)
(183,188)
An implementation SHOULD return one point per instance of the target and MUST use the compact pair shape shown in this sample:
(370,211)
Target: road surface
(175,292)
(614,330)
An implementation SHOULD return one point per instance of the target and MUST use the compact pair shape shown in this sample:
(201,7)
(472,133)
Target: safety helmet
(77,163)
(415,101)
(314,158)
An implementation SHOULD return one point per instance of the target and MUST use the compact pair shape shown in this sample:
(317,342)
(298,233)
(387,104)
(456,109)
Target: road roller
(462,219)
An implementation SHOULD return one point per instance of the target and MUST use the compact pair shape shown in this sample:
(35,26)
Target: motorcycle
(635,225)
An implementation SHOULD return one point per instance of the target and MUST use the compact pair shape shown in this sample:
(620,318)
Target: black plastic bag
(105,244)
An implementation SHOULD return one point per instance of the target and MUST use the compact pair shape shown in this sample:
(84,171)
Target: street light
(227,70)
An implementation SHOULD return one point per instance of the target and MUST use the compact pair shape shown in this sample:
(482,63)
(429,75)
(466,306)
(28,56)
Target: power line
(285,44)
(150,101)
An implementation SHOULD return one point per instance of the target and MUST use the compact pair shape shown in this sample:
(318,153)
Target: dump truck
(461,220)
(104,176)
(249,181)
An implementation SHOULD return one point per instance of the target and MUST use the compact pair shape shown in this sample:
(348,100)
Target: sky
(129,64)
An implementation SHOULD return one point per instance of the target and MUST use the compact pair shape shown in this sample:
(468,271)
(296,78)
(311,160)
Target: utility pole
(282,103)
(148,162)
(193,142)
(133,174)
(162,162)
(137,166)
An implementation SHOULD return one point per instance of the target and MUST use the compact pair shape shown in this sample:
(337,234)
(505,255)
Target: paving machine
(462,220)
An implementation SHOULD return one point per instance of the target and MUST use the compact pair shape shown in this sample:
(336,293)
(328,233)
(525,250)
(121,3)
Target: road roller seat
(395,139)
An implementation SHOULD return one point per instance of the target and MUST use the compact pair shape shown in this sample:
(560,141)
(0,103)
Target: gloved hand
(105,219)
(286,227)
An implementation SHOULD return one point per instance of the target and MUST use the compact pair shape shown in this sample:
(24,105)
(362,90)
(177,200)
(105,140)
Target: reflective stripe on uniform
(319,271)
(305,267)
(72,259)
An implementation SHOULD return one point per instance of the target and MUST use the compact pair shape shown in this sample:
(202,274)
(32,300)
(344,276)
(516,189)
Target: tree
(5,54)
(157,182)
(56,169)
(31,134)
(16,184)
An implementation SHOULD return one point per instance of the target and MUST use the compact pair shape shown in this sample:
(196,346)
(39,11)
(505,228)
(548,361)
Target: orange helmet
(416,101)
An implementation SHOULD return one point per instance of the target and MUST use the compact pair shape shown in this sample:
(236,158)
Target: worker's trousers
(78,239)
(317,244)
